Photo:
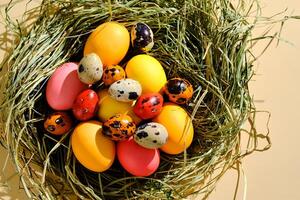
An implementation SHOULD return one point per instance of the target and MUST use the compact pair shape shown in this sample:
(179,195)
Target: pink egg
(64,86)
(136,159)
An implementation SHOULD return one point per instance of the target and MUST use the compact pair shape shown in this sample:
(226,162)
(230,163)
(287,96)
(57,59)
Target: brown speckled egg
(58,123)
(119,127)
(142,37)
(112,74)
(178,90)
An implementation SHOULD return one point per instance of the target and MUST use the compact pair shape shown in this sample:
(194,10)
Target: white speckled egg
(125,90)
(90,69)
(151,135)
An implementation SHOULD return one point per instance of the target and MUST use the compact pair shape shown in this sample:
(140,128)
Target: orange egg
(58,123)
(110,41)
(109,107)
(119,127)
(113,74)
(179,126)
(91,148)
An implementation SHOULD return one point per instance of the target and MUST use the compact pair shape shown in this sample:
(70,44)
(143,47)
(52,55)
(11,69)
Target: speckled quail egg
(119,127)
(90,69)
(151,135)
(112,74)
(58,123)
(125,90)
(142,37)
(178,90)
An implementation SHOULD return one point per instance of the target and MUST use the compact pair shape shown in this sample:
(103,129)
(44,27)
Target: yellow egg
(179,126)
(109,107)
(148,72)
(91,148)
(110,41)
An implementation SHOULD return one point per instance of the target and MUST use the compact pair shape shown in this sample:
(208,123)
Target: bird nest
(206,42)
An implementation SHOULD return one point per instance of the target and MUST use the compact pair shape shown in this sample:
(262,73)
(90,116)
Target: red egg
(85,105)
(136,159)
(148,105)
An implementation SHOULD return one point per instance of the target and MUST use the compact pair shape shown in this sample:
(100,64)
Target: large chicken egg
(91,148)
(64,86)
(179,126)
(110,41)
(148,72)
(136,159)
(109,107)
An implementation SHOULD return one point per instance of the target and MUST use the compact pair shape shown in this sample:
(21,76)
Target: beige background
(272,175)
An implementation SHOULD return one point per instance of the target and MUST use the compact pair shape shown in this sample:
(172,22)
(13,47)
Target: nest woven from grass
(207,42)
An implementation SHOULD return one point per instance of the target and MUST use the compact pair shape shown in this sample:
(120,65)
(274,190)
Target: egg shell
(90,69)
(136,159)
(63,87)
(125,90)
(148,105)
(178,90)
(109,107)
(112,74)
(110,41)
(151,135)
(91,148)
(142,37)
(58,123)
(179,126)
(119,127)
(85,105)
(148,72)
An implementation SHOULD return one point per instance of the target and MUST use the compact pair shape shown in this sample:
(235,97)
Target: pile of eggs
(136,113)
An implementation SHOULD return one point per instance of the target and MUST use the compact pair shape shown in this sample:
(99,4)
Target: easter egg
(125,90)
(90,69)
(136,159)
(91,148)
(112,74)
(151,135)
(63,87)
(148,105)
(179,126)
(85,105)
(119,127)
(110,41)
(178,90)
(148,72)
(142,37)
(109,107)
(58,123)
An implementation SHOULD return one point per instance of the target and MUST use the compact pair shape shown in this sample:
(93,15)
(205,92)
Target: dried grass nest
(208,42)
